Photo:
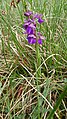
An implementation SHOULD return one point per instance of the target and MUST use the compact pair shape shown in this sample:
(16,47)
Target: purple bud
(28,13)
(40,41)
(40,20)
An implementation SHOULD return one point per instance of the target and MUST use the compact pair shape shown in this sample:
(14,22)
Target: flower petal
(25,25)
(31,36)
(42,37)
(32,25)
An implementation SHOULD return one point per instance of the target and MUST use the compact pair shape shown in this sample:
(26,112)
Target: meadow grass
(31,90)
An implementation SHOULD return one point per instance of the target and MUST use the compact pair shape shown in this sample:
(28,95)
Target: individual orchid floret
(31,39)
(39,17)
(40,38)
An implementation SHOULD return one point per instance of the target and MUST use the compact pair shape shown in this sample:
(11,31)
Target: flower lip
(29,30)
(28,13)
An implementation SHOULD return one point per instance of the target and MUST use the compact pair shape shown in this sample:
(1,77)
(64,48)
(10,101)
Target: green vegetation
(28,89)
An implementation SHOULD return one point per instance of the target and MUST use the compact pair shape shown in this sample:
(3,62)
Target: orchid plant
(34,36)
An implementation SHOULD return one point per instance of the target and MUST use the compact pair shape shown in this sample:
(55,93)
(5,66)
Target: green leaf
(58,102)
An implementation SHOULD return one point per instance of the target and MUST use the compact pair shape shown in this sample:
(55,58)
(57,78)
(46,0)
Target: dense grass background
(23,95)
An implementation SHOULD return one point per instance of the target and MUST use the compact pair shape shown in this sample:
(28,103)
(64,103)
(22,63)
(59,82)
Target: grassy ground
(24,95)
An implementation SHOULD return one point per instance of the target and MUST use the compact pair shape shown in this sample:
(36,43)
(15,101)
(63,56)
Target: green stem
(38,60)
(38,74)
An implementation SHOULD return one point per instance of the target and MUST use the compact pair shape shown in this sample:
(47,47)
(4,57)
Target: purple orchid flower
(30,28)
